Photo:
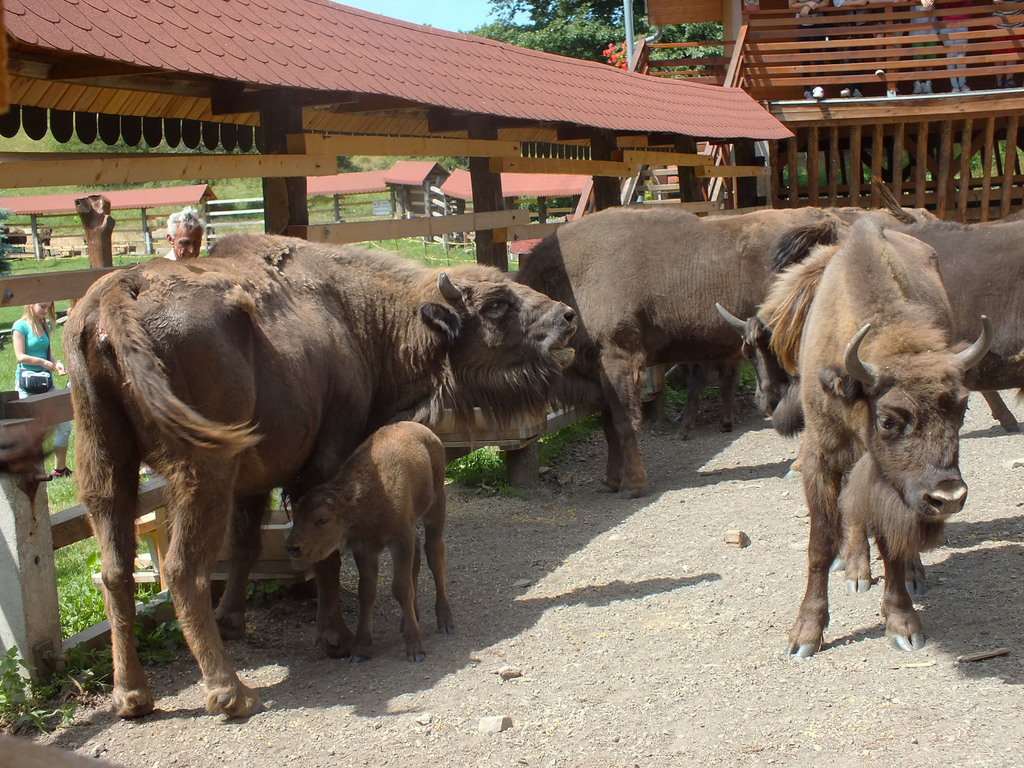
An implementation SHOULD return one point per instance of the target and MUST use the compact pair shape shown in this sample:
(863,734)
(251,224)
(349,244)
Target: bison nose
(570,315)
(947,498)
(293,549)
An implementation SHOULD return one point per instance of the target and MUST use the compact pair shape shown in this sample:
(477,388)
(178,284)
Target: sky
(452,15)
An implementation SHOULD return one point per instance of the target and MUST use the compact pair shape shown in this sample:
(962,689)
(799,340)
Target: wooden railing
(698,66)
(878,50)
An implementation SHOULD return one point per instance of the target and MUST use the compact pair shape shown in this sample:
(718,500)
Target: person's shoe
(807,94)
(964,88)
(1010,83)
(818,92)
(845,93)
(66,472)
(918,87)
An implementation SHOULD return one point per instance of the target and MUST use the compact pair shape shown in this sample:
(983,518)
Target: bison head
(321,520)
(513,343)
(777,394)
(915,405)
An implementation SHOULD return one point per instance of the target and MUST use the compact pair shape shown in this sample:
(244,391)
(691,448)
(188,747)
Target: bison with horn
(265,366)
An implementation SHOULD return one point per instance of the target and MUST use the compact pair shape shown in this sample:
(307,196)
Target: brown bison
(394,479)
(644,282)
(884,399)
(265,366)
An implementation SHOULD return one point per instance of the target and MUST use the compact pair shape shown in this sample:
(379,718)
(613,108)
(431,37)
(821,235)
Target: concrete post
(29,613)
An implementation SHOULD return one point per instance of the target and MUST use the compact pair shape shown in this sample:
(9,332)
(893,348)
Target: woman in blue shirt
(32,349)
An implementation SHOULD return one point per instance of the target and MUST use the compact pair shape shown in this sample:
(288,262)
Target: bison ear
(351,493)
(839,384)
(442,320)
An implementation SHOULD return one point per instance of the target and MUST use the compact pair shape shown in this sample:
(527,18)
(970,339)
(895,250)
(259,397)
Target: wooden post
(606,188)
(94,211)
(284,199)
(29,616)
(147,237)
(34,222)
(746,187)
(486,196)
(690,188)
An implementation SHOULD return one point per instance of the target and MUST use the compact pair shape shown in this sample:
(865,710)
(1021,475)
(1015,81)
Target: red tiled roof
(160,197)
(320,45)
(354,183)
(412,173)
(519,185)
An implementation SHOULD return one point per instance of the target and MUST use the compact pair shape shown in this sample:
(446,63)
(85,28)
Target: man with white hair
(185,230)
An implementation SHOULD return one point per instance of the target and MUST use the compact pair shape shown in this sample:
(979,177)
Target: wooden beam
(73,524)
(422,226)
(531,231)
(922,163)
(552,165)
(986,168)
(731,171)
(945,151)
(654,157)
(833,165)
(399,146)
(813,197)
(48,286)
(43,169)
(965,167)
(1009,164)
(856,165)
(897,161)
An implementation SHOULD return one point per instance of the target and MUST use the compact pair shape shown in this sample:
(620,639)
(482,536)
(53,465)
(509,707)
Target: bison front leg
(902,624)
(243,548)
(622,416)
(368,563)
(858,559)
(728,380)
(332,633)
(821,488)
(405,557)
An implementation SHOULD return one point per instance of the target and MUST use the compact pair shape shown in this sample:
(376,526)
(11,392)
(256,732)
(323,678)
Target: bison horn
(734,322)
(451,294)
(857,368)
(971,356)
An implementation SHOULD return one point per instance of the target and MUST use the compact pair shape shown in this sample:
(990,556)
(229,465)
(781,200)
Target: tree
(578,28)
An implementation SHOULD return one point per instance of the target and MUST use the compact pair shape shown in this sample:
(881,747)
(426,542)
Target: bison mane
(788,302)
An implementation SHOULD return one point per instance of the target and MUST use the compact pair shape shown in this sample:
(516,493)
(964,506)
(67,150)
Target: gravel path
(631,634)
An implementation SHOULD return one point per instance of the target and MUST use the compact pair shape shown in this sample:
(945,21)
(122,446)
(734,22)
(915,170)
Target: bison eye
(321,521)
(495,308)
(890,425)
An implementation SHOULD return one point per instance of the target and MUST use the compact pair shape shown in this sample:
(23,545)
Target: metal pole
(627,13)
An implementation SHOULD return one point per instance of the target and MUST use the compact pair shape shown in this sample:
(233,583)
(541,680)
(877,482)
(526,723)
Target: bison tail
(794,245)
(145,376)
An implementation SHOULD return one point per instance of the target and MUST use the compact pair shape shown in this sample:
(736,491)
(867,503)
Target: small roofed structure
(162,199)
(415,188)
(531,186)
(342,184)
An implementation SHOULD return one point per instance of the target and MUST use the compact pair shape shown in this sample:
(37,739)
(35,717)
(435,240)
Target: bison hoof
(839,564)
(417,656)
(231,626)
(1011,427)
(916,588)
(913,643)
(132,703)
(858,586)
(629,493)
(446,627)
(357,658)
(725,427)
(238,701)
(804,651)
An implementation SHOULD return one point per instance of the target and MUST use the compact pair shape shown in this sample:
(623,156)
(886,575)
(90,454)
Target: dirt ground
(631,634)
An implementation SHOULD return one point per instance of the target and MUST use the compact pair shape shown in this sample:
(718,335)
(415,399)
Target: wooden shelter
(889,107)
(303,82)
(415,188)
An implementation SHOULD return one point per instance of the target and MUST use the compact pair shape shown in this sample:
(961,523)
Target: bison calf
(393,479)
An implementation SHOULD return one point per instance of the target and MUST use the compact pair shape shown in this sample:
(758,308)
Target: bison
(265,366)
(884,398)
(394,478)
(644,283)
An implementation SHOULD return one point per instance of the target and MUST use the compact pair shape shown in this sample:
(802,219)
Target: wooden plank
(50,408)
(922,163)
(556,165)
(965,167)
(812,166)
(49,286)
(945,166)
(654,157)
(731,171)
(877,152)
(793,152)
(72,524)
(897,161)
(833,164)
(422,226)
(986,167)
(1009,164)
(531,231)
(399,146)
(21,171)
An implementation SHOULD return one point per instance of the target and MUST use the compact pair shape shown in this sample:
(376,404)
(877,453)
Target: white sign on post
(381,207)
